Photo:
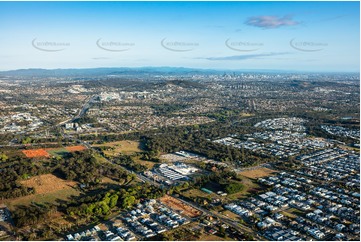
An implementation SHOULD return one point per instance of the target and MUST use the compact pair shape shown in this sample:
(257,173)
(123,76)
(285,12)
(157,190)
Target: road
(222,218)
(84,108)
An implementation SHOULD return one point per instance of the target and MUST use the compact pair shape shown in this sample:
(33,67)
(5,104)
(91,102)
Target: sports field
(36,153)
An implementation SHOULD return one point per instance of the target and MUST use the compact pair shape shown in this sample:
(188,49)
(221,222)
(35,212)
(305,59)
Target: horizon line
(183,67)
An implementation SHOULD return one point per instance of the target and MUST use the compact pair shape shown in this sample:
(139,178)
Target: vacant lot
(172,158)
(124,146)
(179,205)
(48,188)
(293,213)
(258,172)
(148,164)
(231,215)
(36,153)
(197,193)
(250,187)
(211,237)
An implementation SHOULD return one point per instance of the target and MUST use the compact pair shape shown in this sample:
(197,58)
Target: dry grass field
(47,183)
(48,189)
(124,146)
(258,172)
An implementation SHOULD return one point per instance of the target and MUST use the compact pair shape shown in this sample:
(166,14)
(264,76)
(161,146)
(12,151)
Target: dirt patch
(36,153)
(178,205)
(258,172)
(47,183)
(211,237)
(75,148)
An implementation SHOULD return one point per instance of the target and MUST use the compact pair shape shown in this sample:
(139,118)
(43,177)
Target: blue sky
(300,36)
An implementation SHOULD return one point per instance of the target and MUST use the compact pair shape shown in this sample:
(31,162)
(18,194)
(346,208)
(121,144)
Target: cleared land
(172,158)
(36,153)
(124,146)
(211,237)
(258,172)
(178,205)
(231,215)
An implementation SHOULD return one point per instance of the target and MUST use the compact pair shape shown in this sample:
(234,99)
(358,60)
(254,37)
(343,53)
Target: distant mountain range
(108,71)
(135,71)
(128,71)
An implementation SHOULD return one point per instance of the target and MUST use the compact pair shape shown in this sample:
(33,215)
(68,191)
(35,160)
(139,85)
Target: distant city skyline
(295,36)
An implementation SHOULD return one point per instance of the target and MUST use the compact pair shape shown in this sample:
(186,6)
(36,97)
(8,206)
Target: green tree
(234,187)
(128,201)
(26,140)
(113,201)
(3,157)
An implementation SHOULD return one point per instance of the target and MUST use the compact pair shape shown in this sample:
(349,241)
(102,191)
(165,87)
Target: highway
(84,108)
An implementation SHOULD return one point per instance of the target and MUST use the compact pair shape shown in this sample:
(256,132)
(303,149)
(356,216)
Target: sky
(294,36)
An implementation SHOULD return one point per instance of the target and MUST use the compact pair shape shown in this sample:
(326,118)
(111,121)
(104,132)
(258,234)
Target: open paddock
(124,146)
(257,172)
(48,189)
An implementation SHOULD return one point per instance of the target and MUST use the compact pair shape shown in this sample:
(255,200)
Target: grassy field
(47,183)
(62,152)
(100,158)
(197,193)
(108,180)
(148,164)
(125,146)
(231,215)
(48,189)
(259,172)
(292,212)
(211,237)
(250,187)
